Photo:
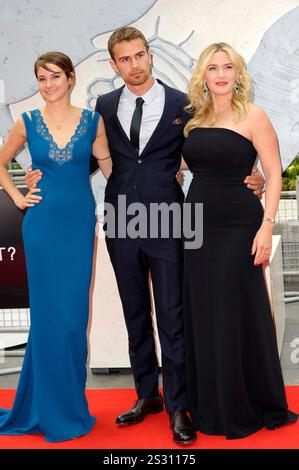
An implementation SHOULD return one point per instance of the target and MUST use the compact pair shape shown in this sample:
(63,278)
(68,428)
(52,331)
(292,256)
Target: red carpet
(153,433)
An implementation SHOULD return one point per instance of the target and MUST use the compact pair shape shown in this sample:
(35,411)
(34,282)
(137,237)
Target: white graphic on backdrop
(176,43)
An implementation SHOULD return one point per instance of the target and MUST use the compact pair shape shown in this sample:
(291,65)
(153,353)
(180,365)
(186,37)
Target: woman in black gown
(235,384)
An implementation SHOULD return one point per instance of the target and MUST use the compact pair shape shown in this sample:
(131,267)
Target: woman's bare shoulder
(258,121)
(256,112)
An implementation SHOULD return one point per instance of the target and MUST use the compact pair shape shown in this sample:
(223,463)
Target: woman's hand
(262,244)
(32,177)
(180,177)
(22,202)
(255,182)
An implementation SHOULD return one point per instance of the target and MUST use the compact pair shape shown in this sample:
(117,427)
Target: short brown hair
(125,33)
(56,58)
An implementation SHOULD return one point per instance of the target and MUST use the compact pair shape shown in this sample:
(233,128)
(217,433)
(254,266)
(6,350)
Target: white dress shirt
(152,109)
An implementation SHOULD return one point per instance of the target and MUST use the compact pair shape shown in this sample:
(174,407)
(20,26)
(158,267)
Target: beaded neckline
(64,154)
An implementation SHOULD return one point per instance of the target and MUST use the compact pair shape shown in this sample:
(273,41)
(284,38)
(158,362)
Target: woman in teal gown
(58,235)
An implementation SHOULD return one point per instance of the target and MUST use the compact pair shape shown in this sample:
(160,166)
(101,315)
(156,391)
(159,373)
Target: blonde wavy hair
(201,104)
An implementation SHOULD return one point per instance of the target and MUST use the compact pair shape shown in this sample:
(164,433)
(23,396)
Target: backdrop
(263,31)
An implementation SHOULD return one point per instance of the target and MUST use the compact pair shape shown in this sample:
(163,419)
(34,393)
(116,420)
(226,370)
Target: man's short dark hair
(125,33)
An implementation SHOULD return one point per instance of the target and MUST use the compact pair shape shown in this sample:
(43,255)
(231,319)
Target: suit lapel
(169,113)
(113,113)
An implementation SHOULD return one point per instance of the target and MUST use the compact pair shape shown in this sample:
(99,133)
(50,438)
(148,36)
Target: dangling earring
(205,88)
(236,87)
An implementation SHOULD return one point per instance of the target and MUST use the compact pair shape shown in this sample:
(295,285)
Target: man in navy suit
(144,170)
(144,123)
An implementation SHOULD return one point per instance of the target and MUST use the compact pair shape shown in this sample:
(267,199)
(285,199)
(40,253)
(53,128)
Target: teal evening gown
(58,235)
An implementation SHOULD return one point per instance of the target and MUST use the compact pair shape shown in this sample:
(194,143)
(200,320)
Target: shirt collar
(154,91)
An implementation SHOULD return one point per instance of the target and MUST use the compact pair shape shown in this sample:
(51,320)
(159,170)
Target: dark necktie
(136,123)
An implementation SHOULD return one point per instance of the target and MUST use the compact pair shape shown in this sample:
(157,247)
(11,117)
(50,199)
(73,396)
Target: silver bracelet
(269,219)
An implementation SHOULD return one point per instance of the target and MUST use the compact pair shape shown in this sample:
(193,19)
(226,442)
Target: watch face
(13,276)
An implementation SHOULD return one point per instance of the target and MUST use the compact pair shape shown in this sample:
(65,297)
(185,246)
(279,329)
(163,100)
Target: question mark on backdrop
(13,250)
(10,250)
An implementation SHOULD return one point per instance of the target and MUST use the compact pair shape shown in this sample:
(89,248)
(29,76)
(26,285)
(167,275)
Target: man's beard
(135,81)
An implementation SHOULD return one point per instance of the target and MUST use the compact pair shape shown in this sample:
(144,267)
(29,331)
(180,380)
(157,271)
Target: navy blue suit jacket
(150,176)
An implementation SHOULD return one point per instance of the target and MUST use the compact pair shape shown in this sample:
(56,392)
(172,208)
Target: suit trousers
(135,261)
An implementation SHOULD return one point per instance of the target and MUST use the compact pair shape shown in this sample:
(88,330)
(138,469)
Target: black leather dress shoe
(142,407)
(182,428)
